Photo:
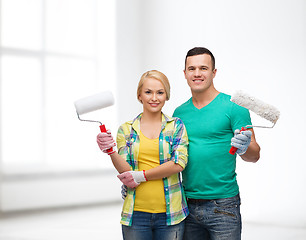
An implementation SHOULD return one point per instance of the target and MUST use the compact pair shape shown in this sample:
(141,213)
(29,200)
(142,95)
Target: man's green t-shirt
(211,169)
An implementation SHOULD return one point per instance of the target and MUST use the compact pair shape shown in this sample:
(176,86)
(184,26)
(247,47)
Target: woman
(152,151)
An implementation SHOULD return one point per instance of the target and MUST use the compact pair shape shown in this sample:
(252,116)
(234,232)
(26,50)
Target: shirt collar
(136,122)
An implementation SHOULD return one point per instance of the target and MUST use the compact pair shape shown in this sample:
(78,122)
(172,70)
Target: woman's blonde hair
(158,76)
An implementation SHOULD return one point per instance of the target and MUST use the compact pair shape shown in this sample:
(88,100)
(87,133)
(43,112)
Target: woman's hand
(106,141)
(132,178)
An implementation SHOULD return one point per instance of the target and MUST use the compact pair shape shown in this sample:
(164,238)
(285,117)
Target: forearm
(165,170)
(133,178)
(253,152)
(119,163)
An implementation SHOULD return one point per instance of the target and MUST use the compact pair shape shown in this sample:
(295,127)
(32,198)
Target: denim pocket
(228,202)
(228,207)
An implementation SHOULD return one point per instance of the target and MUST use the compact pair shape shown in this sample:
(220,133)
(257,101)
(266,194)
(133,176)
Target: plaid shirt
(173,143)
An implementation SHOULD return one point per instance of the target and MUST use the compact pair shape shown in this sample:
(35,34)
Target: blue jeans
(214,220)
(148,226)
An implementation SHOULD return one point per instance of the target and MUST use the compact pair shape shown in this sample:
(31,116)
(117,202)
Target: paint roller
(93,103)
(262,109)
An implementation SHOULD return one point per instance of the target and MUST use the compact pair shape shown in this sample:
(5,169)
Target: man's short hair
(199,51)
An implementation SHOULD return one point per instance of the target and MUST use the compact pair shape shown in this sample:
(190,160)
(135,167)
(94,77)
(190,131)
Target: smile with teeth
(153,104)
(197,80)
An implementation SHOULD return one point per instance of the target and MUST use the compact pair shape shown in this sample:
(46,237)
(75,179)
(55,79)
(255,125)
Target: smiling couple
(155,149)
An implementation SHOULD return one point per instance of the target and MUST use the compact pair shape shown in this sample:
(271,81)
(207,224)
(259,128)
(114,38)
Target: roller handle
(103,129)
(234,149)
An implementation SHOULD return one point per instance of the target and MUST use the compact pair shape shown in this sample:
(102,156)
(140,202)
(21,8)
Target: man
(213,122)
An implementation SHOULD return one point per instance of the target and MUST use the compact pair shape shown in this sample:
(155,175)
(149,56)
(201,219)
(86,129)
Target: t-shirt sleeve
(175,113)
(240,117)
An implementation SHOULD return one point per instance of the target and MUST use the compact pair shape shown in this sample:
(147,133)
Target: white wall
(259,48)
(64,180)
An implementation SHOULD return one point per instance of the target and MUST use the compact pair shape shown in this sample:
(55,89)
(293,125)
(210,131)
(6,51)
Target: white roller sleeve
(262,109)
(94,102)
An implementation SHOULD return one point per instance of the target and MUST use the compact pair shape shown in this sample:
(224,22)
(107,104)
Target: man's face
(199,73)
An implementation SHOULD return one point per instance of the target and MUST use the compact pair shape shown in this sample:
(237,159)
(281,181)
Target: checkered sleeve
(180,144)
(122,143)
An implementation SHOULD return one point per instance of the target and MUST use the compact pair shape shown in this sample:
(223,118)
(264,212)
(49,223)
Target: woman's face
(152,95)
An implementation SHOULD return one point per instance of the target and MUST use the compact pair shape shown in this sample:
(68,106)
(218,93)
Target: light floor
(102,222)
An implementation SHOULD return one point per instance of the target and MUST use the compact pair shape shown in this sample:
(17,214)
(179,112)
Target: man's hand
(132,178)
(241,141)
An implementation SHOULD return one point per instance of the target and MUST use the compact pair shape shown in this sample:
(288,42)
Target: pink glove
(106,141)
(132,178)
